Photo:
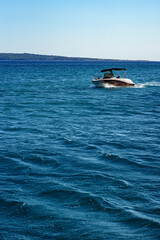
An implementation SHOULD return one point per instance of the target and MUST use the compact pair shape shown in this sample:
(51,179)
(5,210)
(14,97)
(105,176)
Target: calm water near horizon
(79,162)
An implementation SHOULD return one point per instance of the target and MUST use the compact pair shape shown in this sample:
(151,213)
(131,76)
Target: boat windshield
(108,75)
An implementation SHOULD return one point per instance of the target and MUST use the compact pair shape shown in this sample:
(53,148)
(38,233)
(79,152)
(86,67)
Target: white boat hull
(119,82)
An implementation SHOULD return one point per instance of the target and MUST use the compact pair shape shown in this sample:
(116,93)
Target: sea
(79,162)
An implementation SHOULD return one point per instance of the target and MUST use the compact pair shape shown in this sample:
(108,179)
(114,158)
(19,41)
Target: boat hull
(119,82)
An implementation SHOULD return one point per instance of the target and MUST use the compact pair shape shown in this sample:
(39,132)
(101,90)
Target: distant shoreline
(54,58)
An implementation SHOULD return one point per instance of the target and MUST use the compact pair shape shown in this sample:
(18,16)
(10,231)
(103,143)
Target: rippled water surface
(79,162)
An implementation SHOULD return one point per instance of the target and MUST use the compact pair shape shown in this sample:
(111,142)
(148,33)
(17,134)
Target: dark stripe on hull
(117,83)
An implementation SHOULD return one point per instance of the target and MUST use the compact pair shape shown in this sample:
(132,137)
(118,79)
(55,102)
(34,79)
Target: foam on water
(110,86)
(147,84)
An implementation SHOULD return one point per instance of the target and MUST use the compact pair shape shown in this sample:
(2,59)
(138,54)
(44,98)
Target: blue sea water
(79,162)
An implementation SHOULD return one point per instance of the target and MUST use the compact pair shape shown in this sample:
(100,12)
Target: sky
(110,29)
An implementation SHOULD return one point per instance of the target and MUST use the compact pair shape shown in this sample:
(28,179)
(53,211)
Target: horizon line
(95,58)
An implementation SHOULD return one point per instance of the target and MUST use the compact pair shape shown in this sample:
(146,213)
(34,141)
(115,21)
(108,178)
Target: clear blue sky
(120,29)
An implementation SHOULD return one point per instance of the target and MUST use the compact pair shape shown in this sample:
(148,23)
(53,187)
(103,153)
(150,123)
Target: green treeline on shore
(38,57)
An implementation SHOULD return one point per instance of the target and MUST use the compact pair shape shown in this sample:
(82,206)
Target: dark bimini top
(115,69)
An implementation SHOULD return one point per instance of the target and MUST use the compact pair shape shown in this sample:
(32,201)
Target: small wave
(147,84)
(115,159)
(75,198)
(142,218)
(12,206)
(68,140)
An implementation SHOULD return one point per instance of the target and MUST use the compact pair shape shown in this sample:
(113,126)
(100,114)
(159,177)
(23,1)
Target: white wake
(147,84)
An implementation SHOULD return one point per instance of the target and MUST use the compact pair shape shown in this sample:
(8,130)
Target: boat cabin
(110,74)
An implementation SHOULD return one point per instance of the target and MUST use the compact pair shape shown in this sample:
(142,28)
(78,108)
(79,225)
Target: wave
(76,198)
(11,206)
(117,161)
(141,218)
(147,84)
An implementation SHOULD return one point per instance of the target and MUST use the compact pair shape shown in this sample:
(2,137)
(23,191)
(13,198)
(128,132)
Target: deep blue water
(79,162)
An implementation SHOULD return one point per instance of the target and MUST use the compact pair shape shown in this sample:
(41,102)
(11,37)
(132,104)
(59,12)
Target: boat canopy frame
(113,69)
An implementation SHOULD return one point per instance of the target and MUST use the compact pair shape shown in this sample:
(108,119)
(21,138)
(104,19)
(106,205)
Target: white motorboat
(109,79)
